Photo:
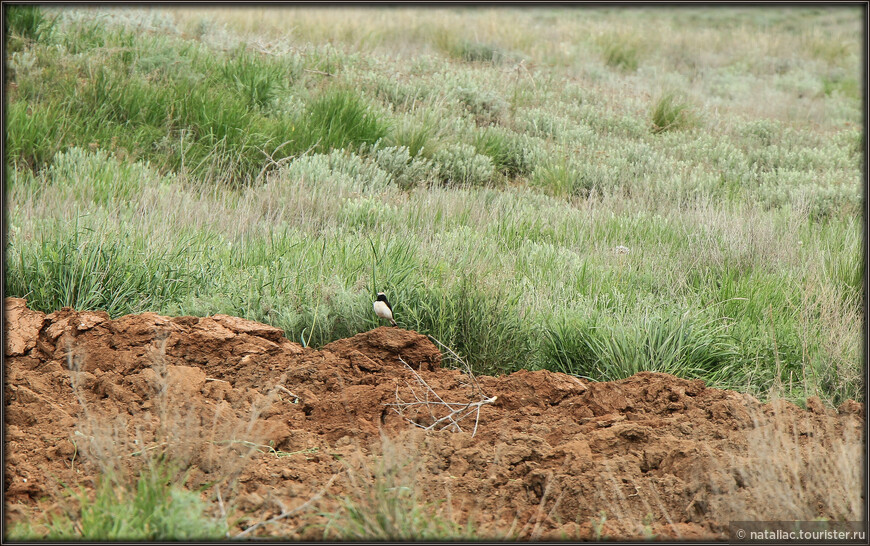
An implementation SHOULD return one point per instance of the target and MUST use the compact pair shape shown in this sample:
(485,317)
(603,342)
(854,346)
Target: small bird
(383,309)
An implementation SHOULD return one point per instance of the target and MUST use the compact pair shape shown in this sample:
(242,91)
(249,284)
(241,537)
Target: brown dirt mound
(656,453)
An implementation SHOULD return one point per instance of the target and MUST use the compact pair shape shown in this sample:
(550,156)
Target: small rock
(65,449)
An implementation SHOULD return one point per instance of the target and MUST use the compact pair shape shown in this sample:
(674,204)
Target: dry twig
(456,411)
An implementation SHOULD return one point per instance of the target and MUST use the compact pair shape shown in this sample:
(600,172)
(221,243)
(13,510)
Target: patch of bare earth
(550,458)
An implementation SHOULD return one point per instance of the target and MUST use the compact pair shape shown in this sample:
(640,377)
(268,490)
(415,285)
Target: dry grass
(384,498)
(795,466)
(176,434)
(692,43)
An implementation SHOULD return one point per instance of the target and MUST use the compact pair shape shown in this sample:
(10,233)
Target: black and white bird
(383,309)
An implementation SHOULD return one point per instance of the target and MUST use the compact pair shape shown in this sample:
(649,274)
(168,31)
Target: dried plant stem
(454,409)
(287,513)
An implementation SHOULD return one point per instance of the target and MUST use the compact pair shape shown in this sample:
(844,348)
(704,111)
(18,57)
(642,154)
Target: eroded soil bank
(655,453)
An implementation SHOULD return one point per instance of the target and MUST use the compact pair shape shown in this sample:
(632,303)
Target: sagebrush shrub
(461,164)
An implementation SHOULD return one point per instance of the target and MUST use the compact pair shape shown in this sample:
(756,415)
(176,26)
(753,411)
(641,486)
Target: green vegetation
(340,119)
(621,52)
(26,23)
(150,508)
(670,112)
(384,504)
(530,201)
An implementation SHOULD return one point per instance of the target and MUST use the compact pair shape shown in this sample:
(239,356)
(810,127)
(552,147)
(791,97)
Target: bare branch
(455,411)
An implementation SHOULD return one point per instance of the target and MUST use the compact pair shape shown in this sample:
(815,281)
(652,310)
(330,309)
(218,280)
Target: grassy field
(591,191)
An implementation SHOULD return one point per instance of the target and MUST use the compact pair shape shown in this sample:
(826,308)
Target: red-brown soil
(546,457)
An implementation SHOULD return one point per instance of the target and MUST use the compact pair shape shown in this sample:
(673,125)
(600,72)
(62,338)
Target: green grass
(682,345)
(178,106)
(469,50)
(416,135)
(121,273)
(621,52)
(27,22)
(196,171)
(151,507)
(340,119)
(670,112)
(383,504)
(259,80)
(511,154)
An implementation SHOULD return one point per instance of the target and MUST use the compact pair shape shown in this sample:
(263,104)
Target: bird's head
(381,297)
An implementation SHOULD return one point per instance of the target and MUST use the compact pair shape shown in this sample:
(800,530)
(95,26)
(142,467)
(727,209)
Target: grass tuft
(85,271)
(384,504)
(257,80)
(671,112)
(151,507)
(339,119)
(470,51)
(512,154)
(681,345)
(621,52)
(417,135)
(29,22)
